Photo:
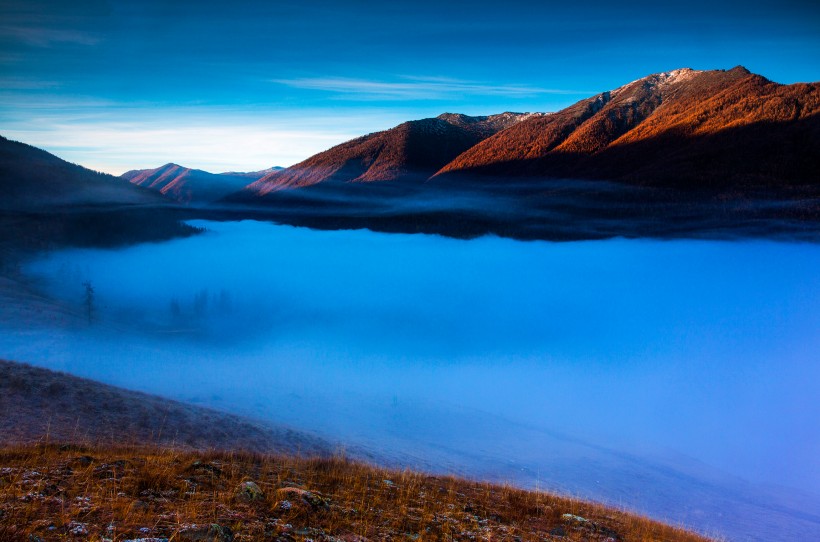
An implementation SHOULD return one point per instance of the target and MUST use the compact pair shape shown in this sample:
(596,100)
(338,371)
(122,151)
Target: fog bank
(428,346)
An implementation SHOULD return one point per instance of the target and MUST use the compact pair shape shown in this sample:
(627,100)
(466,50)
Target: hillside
(92,493)
(685,153)
(690,129)
(253,175)
(717,130)
(82,459)
(412,151)
(186,185)
(38,405)
(33,179)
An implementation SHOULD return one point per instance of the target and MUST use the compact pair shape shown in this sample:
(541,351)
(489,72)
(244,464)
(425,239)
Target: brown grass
(130,493)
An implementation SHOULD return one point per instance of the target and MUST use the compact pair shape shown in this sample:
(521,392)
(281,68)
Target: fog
(444,353)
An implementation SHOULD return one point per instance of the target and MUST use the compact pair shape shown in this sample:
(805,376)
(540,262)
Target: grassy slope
(38,405)
(129,493)
(133,464)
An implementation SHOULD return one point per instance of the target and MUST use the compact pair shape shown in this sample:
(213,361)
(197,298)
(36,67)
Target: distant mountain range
(685,128)
(683,152)
(186,185)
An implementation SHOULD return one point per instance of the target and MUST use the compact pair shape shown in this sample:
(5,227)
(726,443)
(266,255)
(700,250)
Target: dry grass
(46,492)
(38,405)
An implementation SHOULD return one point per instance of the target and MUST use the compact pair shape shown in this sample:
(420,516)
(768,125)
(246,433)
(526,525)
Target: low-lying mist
(703,348)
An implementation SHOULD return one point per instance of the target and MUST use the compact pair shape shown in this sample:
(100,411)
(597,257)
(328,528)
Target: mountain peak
(187,185)
(740,70)
(413,150)
(681,126)
(458,117)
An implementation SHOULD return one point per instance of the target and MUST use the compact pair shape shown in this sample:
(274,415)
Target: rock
(295,495)
(572,517)
(200,467)
(205,533)
(309,531)
(558,531)
(114,470)
(83,460)
(78,529)
(249,492)
(611,536)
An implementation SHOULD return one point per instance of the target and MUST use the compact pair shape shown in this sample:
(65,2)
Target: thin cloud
(117,139)
(25,83)
(47,37)
(418,88)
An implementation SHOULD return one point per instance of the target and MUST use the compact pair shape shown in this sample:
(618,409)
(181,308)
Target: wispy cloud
(38,36)
(417,88)
(26,83)
(115,138)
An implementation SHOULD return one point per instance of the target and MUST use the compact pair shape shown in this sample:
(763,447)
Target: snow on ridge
(662,80)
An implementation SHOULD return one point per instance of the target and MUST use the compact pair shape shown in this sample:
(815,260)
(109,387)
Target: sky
(245,85)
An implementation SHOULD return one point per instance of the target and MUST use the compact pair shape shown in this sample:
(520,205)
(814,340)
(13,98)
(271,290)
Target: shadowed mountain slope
(41,405)
(253,175)
(187,185)
(411,151)
(31,178)
(685,128)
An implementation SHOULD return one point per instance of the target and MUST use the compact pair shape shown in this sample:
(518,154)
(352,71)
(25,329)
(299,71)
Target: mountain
(685,128)
(412,151)
(187,185)
(719,131)
(32,179)
(253,175)
(40,405)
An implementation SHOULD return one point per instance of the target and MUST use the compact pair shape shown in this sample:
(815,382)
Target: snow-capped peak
(662,80)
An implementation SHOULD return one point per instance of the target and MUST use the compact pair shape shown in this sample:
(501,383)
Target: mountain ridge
(32,178)
(667,116)
(192,186)
(411,151)
(683,128)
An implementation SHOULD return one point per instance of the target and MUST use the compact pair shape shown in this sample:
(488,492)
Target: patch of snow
(662,80)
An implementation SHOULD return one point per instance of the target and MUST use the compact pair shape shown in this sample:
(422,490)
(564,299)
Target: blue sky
(245,85)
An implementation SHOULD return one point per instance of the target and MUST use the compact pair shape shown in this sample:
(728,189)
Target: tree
(201,302)
(88,301)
